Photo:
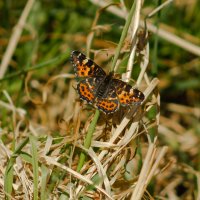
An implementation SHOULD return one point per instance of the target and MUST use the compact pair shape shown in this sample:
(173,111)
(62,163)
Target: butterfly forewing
(85,67)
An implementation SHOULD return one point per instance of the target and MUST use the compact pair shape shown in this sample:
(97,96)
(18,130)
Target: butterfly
(102,90)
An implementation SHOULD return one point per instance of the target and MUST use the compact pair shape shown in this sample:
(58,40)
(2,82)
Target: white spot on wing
(85,61)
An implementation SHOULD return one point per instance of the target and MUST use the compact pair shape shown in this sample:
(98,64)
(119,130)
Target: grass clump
(53,146)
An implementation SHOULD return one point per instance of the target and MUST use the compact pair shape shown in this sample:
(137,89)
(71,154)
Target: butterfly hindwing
(85,91)
(109,103)
(126,94)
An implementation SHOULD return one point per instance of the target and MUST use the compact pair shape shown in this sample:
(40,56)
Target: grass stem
(88,139)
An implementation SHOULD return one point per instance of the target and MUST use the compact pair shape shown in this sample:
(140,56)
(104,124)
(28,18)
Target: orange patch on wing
(125,97)
(85,92)
(134,96)
(107,106)
(82,70)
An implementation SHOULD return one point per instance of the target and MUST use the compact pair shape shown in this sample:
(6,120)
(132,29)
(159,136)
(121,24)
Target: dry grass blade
(184,109)
(150,165)
(15,38)
(172,38)
(55,146)
(141,183)
(51,161)
(159,8)
(134,28)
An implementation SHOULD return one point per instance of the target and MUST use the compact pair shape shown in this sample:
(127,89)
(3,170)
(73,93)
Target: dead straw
(17,31)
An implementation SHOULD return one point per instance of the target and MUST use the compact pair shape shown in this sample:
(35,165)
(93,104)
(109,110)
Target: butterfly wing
(126,94)
(85,91)
(110,103)
(87,88)
(85,67)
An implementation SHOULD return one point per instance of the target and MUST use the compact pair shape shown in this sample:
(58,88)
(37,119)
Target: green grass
(42,118)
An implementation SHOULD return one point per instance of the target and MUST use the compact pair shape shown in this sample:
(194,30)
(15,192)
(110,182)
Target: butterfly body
(101,90)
